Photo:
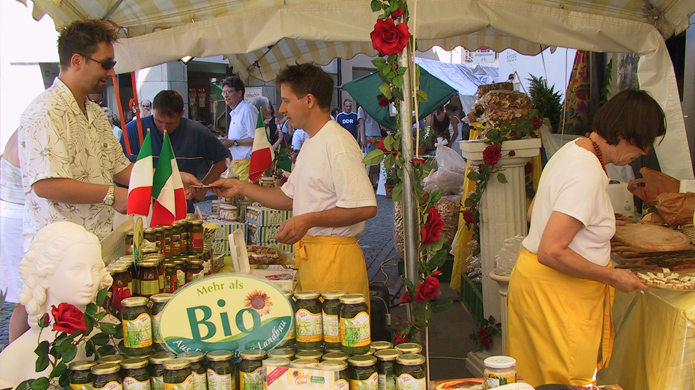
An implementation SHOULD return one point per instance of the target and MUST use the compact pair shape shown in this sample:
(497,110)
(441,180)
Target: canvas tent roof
(319,30)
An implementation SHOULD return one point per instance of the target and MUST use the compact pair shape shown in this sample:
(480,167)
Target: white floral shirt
(56,140)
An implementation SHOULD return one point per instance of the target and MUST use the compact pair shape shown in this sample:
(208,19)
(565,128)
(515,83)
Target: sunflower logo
(258,301)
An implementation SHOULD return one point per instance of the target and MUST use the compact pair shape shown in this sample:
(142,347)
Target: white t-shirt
(329,173)
(298,138)
(242,125)
(574,184)
(371,126)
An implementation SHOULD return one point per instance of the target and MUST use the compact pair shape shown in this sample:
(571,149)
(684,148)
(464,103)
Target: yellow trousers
(241,167)
(559,328)
(328,263)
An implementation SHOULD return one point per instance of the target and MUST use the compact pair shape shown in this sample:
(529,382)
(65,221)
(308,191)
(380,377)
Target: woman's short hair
(261,102)
(632,115)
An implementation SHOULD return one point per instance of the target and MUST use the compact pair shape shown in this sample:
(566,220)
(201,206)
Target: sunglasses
(107,65)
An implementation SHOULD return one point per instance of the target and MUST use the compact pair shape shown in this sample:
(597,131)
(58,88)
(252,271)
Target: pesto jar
(198,367)
(309,354)
(270,365)
(159,235)
(410,372)
(354,324)
(251,374)
(379,345)
(135,375)
(122,277)
(170,280)
(285,352)
(137,327)
(185,236)
(196,236)
(221,371)
(363,375)
(290,337)
(331,319)
(157,369)
(340,356)
(304,363)
(167,250)
(158,261)
(407,348)
(158,302)
(106,377)
(386,368)
(341,367)
(177,375)
(194,270)
(148,278)
(112,359)
(176,238)
(81,374)
(150,240)
(309,320)
(180,272)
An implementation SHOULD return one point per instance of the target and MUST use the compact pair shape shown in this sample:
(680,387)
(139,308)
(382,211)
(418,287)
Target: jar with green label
(410,372)
(331,319)
(251,374)
(176,238)
(196,236)
(221,372)
(194,270)
(106,376)
(309,320)
(309,354)
(284,352)
(159,235)
(180,265)
(168,250)
(158,261)
(198,367)
(158,302)
(290,337)
(386,368)
(363,373)
(185,236)
(80,376)
(112,359)
(354,324)
(137,327)
(157,369)
(407,348)
(339,366)
(148,278)
(379,345)
(170,281)
(135,375)
(341,356)
(177,374)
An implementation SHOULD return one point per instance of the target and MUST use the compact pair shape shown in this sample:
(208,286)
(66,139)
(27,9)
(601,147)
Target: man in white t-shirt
(242,125)
(328,191)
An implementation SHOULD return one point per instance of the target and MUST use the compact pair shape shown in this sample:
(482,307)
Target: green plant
(427,136)
(546,100)
(392,177)
(485,335)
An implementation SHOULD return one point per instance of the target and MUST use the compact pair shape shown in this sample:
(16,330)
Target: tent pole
(410,221)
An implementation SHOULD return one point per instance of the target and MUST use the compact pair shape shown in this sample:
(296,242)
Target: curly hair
(44,256)
(83,37)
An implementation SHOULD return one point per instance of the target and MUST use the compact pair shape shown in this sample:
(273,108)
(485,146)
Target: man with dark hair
(242,125)
(328,190)
(194,144)
(348,119)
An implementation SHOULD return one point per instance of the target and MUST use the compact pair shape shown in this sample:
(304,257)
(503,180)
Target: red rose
(397,13)
(469,217)
(492,154)
(484,338)
(117,295)
(537,123)
(512,153)
(383,102)
(389,38)
(400,337)
(418,161)
(406,297)
(436,272)
(428,289)
(433,227)
(528,168)
(68,318)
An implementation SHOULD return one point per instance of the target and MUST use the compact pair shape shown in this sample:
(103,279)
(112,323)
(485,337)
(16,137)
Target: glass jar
(157,369)
(406,348)
(251,374)
(411,372)
(309,354)
(208,256)
(304,363)
(354,324)
(158,302)
(159,235)
(137,327)
(340,356)
(180,265)
(194,270)
(499,371)
(197,236)
(331,319)
(185,236)
(287,353)
(112,359)
(129,243)
(386,368)
(290,337)
(80,376)
(221,372)
(122,277)
(106,376)
(339,366)
(170,281)
(148,278)
(177,372)
(379,345)
(269,365)
(176,238)
(309,320)
(363,373)
(158,260)
(168,250)
(150,240)
(135,375)
(198,367)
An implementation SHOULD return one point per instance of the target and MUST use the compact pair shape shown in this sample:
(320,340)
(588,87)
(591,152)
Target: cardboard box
(220,241)
(264,216)
(261,233)
(283,378)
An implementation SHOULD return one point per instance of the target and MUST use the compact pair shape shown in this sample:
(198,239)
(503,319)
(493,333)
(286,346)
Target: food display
(499,106)
(263,255)
(667,279)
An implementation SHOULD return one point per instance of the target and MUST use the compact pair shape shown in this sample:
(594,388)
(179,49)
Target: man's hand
(120,204)
(226,187)
(189,180)
(228,143)
(293,229)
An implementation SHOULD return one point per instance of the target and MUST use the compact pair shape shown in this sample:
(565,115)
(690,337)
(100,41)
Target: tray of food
(667,279)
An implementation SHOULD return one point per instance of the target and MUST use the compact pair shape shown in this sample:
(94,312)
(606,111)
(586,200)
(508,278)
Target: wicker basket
(689,230)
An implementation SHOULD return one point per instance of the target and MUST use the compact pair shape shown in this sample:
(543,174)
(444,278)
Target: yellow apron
(241,167)
(331,263)
(559,328)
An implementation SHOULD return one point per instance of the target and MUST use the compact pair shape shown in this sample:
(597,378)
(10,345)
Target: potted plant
(427,137)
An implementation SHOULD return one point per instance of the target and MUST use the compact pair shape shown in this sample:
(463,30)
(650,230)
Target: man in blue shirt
(348,119)
(194,144)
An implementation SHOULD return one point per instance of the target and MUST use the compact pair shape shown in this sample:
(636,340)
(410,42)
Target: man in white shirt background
(242,126)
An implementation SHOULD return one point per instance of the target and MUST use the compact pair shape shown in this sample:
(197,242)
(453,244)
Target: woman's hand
(626,281)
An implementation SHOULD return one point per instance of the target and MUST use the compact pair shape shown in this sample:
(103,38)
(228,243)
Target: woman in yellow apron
(561,289)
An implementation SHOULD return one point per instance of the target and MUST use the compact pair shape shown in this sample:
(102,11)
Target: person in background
(145,108)
(334,112)
(439,122)
(562,287)
(117,131)
(369,130)
(265,107)
(348,119)
(242,126)
(455,126)
(298,139)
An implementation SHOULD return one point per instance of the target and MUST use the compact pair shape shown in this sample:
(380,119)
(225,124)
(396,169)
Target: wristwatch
(109,199)
(236,143)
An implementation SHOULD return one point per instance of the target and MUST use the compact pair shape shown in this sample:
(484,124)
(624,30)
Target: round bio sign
(233,312)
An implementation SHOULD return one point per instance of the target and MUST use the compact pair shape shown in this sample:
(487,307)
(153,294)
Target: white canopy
(159,31)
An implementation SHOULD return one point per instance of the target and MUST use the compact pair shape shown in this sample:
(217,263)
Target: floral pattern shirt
(57,140)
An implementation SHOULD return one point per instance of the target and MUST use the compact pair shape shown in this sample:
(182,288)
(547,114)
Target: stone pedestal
(503,282)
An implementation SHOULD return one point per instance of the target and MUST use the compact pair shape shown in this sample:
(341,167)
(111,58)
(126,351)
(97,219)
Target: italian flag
(140,186)
(262,154)
(167,188)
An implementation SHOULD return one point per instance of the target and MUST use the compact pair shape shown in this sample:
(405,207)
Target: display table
(654,340)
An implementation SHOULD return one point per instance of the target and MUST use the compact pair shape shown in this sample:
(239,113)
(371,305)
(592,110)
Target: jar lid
(119,267)
(191,356)
(159,229)
(334,294)
(161,298)
(170,263)
(138,362)
(253,354)
(111,359)
(387,354)
(362,360)
(499,362)
(304,363)
(176,364)
(80,365)
(341,356)
(154,257)
(127,258)
(276,362)
(134,301)
(352,299)
(167,227)
(129,234)
(309,294)
(179,261)
(176,224)
(409,347)
(197,222)
(379,345)
(192,257)
(161,357)
(149,230)
(281,353)
(410,359)
(288,294)
(310,354)
(147,263)
(333,365)
(106,368)
(219,355)
(195,261)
